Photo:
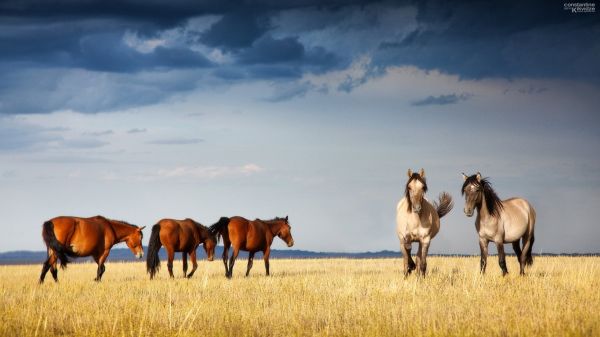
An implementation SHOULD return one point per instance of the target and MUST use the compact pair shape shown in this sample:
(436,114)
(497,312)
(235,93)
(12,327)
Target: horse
(417,220)
(67,236)
(251,236)
(178,236)
(500,221)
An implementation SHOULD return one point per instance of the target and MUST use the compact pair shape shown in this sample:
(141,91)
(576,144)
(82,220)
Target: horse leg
(483,246)
(53,261)
(526,246)
(406,254)
(423,250)
(418,256)
(266,254)
(100,261)
(502,258)
(250,260)
(194,263)
(225,256)
(517,249)
(234,256)
(184,260)
(45,267)
(170,257)
(411,263)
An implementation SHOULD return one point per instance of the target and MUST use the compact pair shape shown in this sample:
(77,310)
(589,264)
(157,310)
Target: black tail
(445,204)
(153,261)
(218,227)
(529,258)
(52,242)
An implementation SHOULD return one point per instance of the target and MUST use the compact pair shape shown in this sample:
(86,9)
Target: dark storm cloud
(442,99)
(499,39)
(44,42)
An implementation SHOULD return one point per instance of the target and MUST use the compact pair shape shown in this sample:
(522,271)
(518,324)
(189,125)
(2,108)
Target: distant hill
(124,254)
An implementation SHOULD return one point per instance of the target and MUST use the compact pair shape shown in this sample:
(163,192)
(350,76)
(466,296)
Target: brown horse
(178,236)
(251,236)
(67,236)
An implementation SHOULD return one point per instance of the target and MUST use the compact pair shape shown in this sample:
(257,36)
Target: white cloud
(209,172)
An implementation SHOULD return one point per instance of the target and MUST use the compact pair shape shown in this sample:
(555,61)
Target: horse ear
(286,218)
(141,228)
(478,177)
(409,173)
(464,176)
(422,173)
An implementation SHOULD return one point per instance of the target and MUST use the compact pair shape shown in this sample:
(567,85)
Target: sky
(142,110)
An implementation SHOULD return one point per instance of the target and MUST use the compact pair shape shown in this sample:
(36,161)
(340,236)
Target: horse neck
(121,230)
(202,232)
(484,212)
(274,226)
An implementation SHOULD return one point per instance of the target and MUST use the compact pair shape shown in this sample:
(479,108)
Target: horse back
(84,236)
(180,235)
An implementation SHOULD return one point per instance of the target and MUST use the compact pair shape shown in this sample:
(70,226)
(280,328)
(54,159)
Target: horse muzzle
(210,258)
(291,243)
(468,212)
(139,255)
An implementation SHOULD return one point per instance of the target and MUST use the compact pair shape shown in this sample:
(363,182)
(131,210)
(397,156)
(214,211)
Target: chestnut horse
(251,236)
(67,236)
(178,236)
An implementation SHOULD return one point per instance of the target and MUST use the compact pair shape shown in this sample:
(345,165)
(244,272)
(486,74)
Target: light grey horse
(499,221)
(418,221)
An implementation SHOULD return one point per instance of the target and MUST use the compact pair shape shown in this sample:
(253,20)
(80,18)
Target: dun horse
(251,236)
(418,221)
(178,236)
(499,221)
(67,236)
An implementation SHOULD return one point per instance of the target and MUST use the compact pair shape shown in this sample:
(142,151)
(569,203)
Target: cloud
(136,130)
(99,133)
(92,57)
(209,172)
(82,143)
(442,99)
(176,141)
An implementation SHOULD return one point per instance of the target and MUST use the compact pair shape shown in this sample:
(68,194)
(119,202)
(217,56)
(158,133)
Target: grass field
(560,296)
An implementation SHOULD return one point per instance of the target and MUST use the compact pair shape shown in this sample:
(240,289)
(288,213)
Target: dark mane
(205,232)
(492,201)
(407,193)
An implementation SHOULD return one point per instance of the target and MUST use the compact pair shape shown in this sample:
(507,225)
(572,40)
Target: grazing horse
(178,236)
(67,236)
(251,236)
(499,221)
(418,221)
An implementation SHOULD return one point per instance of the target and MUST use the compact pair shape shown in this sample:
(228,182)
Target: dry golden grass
(560,296)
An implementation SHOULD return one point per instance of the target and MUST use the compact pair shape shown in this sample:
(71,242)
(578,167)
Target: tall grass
(560,296)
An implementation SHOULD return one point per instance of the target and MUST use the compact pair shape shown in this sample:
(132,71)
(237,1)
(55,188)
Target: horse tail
(153,261)
(216,229)
(445,204)
(52,242)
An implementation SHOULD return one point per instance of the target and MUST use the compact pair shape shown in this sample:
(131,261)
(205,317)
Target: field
(560,296)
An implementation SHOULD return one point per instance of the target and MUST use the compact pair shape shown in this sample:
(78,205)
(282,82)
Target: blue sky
(315,110)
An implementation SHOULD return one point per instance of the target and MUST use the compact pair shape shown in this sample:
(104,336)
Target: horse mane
(276,219)
(492,201)
(406,191)
(204,230)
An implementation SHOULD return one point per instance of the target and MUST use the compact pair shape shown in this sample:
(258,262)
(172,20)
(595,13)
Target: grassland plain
(308,297)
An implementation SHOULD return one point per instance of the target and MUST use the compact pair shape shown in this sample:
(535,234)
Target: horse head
(209,246)
(415,190)
(134,241)
(285,231)
(472,190)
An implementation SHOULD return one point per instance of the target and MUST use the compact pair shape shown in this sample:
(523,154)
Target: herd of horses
(417,220)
